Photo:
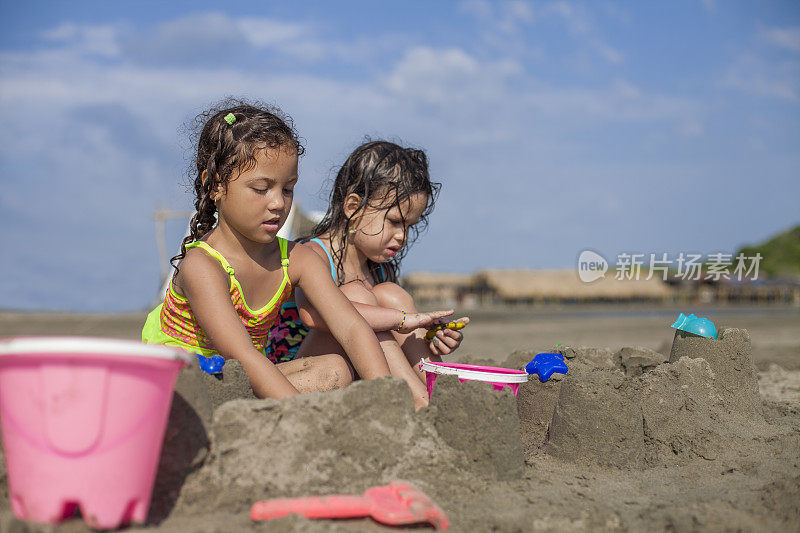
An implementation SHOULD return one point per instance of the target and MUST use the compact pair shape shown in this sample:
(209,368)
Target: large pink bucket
(83,421)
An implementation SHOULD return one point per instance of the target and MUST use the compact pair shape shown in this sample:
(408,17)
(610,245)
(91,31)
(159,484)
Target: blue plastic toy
(545,365)
(211,365)
(697,325)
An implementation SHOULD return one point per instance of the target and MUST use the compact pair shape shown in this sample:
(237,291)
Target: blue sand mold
(545,365)
(211,365)
(697,325)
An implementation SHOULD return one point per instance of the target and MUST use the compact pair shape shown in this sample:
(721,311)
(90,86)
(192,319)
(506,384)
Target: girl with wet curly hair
(234,272)
(380,201)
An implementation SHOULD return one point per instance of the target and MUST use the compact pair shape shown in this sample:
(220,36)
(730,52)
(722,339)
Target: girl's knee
(393,295)
(385,336)
(356,292)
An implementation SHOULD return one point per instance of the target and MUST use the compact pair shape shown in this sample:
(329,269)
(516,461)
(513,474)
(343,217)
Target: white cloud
(448,77)
(786,38)
(100,40)
(472,104)
(513,16)
(292,39)
(691,128)
(775,79)
(263,32)
(196,39)
(620,102)
(609,53)
(763,72)
(432,75)
(503,26)
(579,24)
(205,39)
(709,5)
(576,19)
(481,9)
(463,99)
(519,10)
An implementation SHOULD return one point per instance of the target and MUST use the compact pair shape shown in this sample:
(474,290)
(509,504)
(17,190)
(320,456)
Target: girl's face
(382,232)
(257,201)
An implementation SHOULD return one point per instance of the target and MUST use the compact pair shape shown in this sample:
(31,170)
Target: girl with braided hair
(234,272)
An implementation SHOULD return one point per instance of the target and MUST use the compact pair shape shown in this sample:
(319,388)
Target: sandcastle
(490,460)
(628,410)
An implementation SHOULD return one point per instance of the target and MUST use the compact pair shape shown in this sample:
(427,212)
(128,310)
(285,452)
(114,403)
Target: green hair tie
(230,118)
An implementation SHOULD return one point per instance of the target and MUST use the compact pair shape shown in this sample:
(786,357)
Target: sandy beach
(648,430)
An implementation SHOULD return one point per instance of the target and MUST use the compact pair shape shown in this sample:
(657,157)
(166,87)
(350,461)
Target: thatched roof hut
(437,286)
(538,285)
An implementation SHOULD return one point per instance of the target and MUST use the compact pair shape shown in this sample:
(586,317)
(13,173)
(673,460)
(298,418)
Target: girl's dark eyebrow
(270,180)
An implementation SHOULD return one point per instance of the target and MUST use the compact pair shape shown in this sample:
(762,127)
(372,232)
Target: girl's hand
(422,320)
(447,340)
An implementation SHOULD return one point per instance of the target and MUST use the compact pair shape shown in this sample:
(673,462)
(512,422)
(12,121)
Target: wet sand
(669,434)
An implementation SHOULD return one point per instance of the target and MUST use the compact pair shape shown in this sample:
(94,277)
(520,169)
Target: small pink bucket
(83,421)
(497,376)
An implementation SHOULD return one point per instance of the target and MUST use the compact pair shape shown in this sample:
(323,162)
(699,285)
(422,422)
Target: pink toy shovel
(395,504)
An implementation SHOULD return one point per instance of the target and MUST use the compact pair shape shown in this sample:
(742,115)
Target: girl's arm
(378,318)
(348,327)
(206,285)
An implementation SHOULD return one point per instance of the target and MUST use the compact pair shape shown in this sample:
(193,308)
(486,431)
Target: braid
(203,219)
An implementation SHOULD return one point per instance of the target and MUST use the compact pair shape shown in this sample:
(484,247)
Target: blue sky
(554,126)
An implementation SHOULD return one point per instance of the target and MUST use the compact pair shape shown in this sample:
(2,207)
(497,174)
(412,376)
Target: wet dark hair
(383,175)
(223,148)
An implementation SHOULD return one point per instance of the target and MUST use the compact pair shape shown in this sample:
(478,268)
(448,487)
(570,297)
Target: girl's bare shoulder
(197,266)
(301,255)
(311,245)
(304,248)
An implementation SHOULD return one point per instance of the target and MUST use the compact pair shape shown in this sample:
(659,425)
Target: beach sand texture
(671,436)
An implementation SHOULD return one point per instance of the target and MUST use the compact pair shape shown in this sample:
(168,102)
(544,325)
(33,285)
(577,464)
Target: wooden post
(160,215)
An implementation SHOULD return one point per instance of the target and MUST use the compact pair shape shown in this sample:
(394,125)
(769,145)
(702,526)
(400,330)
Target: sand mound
(537,401)
(632,409)
(730,358)
(635,361)
(342,442)
(535,405)
(595,418)
(630,439)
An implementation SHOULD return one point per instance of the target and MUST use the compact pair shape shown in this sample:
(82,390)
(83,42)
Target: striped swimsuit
(173,322)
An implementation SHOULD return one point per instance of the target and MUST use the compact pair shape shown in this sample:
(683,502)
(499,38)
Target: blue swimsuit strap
(330,259)
(333,267)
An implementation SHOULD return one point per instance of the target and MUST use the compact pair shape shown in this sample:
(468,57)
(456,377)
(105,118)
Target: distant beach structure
(521,287)
(779,282)
(527,287)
